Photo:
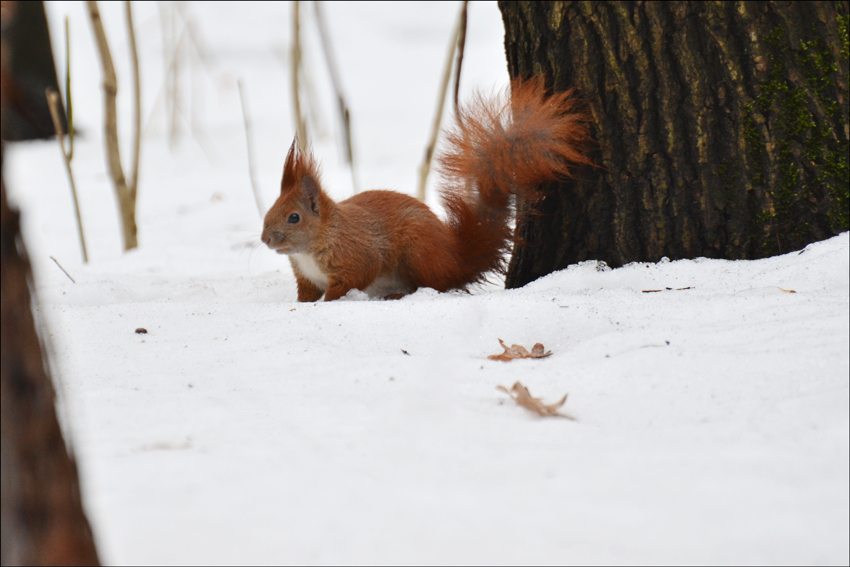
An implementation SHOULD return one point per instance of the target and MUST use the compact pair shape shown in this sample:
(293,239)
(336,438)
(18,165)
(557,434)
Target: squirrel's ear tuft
(310,193)
(301,174)
(289,166)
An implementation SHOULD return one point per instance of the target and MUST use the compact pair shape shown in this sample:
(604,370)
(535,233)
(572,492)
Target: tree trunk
(722,129)
(28,70)
(41,515)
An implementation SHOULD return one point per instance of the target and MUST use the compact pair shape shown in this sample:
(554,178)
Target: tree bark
(722,129)
(43,522)
(41,516)
(27,71)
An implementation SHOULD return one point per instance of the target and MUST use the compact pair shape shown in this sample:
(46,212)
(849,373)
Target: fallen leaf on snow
(519,351)
(522,397)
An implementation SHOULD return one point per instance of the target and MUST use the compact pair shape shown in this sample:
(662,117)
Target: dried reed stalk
(345,116)
(69,107)
(425,168)
(126,200)
(137,103)
(461,45)
(301,127)
(254,186)
(53,104)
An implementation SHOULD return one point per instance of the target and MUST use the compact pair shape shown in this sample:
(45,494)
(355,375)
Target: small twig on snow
(63,269)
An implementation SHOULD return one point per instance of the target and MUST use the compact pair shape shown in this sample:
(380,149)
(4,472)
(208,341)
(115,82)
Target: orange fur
(390,244)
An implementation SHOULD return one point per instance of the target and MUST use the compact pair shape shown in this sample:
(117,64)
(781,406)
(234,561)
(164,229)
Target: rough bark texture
(722,129)
(41,516)
(25,116)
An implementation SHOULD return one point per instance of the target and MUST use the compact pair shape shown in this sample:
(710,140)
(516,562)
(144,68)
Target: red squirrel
(389,244)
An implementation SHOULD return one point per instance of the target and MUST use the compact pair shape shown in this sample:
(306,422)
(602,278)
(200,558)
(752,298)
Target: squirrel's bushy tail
(500,147)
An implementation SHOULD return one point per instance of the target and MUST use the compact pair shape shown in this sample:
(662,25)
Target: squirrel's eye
(293,218)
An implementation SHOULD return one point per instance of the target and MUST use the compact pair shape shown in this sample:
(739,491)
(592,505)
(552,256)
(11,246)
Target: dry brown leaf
(519,351)
(522,397)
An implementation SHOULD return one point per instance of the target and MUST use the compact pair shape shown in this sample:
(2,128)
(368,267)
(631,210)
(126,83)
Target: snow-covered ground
(247,428)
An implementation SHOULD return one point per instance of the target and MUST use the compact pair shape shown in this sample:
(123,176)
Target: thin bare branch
(163,97)
(301,128)
(254,186)
(188,39)
(168,60)
(425,168)
(461,44)
(137,104)
(63,269)
(69,107)
(53,104)
(345,115)
(194,47)
(127,203)
(174,83)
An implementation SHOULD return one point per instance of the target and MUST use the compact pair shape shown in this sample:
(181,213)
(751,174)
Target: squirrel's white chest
(382,286)
(310,269)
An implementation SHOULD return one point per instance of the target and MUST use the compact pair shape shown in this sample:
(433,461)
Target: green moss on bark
(800,121)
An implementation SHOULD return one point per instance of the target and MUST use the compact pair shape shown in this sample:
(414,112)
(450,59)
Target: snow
(247,428)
